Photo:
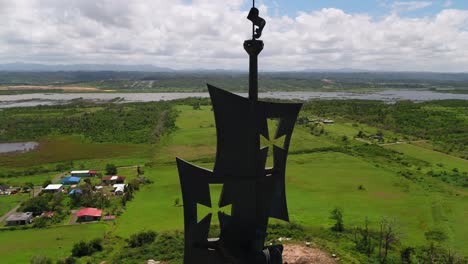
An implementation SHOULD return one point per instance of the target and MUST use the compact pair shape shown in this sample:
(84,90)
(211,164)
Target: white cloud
(410,6)
(209,34)
(448,3)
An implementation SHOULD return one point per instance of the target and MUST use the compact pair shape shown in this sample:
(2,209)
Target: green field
(323,172)
(317,182)
(448,162)
(18,246)
(8,202)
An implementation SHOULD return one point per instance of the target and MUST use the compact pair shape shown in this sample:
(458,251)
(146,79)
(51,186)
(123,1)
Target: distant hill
(32,67)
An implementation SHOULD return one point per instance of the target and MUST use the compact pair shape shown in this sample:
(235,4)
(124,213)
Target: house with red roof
(83,173)
(89,214)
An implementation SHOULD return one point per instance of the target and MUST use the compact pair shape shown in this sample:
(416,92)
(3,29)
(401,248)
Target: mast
(253,48)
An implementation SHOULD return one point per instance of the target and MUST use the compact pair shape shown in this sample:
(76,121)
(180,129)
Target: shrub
(40,260)
(142,238)
(40,222)
(111,169)
(83,248)
(337,215)
(69,260)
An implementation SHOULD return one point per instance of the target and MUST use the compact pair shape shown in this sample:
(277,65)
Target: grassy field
(19,246)
(71,148)
(445,161)
(8,202)
(317,182)
(318,179)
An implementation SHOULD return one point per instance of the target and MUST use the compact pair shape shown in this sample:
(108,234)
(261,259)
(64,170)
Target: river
(26,100)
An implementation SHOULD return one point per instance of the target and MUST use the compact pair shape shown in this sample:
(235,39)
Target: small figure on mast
(257,22)
(253,48)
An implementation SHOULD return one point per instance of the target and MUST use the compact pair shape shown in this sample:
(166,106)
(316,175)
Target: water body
(17,147)
(26,100)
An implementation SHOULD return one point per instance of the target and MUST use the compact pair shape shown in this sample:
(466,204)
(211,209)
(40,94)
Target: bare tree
(388,237)
(363,239)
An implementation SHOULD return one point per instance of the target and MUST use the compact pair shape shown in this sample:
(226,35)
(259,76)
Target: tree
(80,249)
(68,260)
(337,215)
(139,171)
(360,134)
(36,205)
(196,106)
(363,239)
(435,236)
(111,169)
(83,248)
(40,222)
(406,255)
(388,237)
(47,182)
(28,186)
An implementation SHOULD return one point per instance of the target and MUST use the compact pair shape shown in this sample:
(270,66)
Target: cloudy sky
(194,34)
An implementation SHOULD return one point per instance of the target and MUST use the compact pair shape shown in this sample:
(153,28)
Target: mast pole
(253,48)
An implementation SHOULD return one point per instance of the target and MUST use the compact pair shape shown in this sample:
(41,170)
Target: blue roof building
(71,180)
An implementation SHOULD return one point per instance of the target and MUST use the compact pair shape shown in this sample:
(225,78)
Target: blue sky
(375,8)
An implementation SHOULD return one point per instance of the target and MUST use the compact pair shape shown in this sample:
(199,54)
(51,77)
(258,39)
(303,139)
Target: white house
(119,189)
(53,188)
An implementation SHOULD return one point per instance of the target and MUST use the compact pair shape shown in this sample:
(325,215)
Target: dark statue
(253,191)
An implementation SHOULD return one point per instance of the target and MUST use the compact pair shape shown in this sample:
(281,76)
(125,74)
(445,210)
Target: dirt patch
(386,195)
(37,87)
(298,254)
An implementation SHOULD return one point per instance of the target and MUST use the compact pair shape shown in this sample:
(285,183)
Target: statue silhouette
(254,192)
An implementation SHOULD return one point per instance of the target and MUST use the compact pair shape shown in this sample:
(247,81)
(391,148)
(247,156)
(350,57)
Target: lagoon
(17,147)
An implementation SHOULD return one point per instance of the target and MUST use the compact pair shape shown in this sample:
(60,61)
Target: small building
(75,191)
(19,219)
(89,214)
(83,173)
(113,179)
(328,121)
(109,218)
(377,137)
(53,188)
(4,190)
(48,214)
(119,188)
(71,180)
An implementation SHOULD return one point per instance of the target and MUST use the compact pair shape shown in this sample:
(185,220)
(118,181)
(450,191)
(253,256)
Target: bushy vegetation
(41,260)
(83,248)
(119,123)
(142,238)
(42,203)
(167,246)
(444,122)
(89,198)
